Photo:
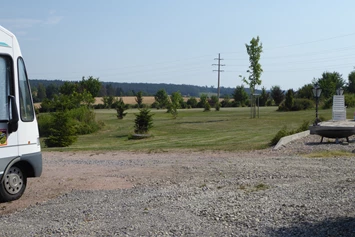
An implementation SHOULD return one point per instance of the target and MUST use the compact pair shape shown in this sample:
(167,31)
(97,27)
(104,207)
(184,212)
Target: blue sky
(166,41)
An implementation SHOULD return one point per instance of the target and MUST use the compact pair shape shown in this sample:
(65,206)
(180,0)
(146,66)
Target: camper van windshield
(5,79)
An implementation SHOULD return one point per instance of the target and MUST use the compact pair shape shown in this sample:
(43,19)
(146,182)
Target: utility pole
(219,71)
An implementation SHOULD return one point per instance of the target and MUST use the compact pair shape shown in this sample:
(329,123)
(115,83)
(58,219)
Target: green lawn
(229,129)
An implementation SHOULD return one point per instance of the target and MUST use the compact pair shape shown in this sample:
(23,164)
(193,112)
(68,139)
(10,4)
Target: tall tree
(68,88)
(305,92)
(329,82)
(161,97)
(277,94)
(91,85)
(351,82)
(254,49)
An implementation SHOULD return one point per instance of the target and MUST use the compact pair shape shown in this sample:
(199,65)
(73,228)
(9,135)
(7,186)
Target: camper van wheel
(13,185)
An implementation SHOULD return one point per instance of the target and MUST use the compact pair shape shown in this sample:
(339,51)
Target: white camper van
(20,151)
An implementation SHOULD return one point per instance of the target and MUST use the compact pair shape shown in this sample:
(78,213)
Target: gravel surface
(259,193)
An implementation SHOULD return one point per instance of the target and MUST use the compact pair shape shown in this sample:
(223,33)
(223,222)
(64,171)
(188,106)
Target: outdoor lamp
(340,91)
(316,92)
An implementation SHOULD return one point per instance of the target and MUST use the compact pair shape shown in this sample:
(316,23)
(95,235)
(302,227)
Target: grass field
(230,129)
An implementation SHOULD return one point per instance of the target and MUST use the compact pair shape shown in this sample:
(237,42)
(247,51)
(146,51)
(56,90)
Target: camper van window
(5,79)
(26,106)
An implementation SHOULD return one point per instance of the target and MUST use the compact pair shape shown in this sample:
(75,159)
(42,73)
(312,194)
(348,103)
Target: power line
(219,71)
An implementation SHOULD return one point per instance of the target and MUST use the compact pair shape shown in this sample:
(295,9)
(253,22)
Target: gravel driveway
(259,193)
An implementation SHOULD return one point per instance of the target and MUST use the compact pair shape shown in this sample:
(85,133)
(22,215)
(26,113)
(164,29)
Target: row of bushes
(62,128)
(297,105)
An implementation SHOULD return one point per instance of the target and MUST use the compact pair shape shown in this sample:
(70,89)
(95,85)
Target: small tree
(120,107)
(162,98)
(143,122)
(139,99)
(192,102)
(277,94)
(289,100)
(63,133)
(203,101)
(207,107)
(240,95)
(176,101)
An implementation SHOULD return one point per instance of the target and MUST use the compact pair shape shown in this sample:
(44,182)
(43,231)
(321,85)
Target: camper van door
(8,139)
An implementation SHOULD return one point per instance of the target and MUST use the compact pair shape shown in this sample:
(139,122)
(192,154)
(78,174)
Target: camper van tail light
(38,142)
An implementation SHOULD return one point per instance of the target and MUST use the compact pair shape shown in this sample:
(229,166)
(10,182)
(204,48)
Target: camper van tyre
(13,185)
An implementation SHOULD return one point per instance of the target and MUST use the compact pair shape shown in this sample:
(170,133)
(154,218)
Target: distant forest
(148,89)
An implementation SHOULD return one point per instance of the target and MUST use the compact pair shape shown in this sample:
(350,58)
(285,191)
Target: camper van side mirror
(13,119)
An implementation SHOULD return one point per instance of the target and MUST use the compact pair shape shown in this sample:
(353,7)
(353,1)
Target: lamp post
(340,91)
(316,93)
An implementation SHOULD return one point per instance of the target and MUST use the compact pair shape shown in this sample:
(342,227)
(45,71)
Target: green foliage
(329,82)
(254,49)
(120,108)
(84,120)
(143,122)
(305,92)
(277,94)
(217,106)
(226,101)
(51,90)
(63,133)
(349,100)
(192,102)
(91,85)
(213,101)
(45,122)
(162,99)
(289,100)
(207,107)
(41,92)
(68,88)
(240,96)
(203,101)
(264,96)
(302,104)
(284,132)
(176,101)
(351,82)
(299,104)
(139,99)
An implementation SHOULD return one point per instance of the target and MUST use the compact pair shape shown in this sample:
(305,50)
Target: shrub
(349,100)
(63,133)
(280,134)
(218,106)
(120,107)
(302,104)
(284,132)
(84,120)
(207,107)
(298,104)
(143,122)
(45,122)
